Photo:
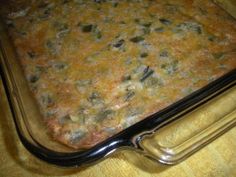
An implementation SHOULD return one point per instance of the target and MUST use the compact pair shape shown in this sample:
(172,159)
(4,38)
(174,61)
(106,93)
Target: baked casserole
(97,67)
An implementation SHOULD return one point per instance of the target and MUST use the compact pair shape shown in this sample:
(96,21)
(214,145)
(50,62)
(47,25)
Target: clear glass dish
(168,136)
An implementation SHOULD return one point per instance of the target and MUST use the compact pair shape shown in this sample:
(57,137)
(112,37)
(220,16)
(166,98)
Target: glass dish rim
(129,137)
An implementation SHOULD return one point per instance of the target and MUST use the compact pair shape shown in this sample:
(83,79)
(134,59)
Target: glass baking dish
(168,136)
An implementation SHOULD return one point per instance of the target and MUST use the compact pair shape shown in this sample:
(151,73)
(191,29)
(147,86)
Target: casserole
(131,135)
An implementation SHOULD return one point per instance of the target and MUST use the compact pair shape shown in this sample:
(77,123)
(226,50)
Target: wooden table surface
(218,159)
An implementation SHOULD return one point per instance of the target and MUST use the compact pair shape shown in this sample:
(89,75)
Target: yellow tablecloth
(215,160)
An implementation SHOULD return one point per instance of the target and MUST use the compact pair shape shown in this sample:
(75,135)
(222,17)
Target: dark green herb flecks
(60,65)
(164,53)
(98,35)
(159,29)
(171,67)
(119,43)
(211,38)
(129,95)
(22,32)
(95,98)
(195,28)
(49,44)
(165,21)
(198,29)
(126,78)
(99,1)
(147,24)
(82,115)
(137,39)
(203,11)
(64,119)
(91,28)
(33,78)
(46,99)
(65,1)
(87,28)
(104,114)
(122,22)
(144,55)
(188,26)
(45,14)
(40,69)
(52,46)
(146,30)
(45,10)
(32,54)
(146,27)
(115,4)
(96,32)
(137,20)
(152,15)
(146,73)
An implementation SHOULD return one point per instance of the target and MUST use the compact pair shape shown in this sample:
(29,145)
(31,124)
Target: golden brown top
(98,67)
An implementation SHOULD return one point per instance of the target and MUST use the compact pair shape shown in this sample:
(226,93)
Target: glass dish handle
(181,138)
